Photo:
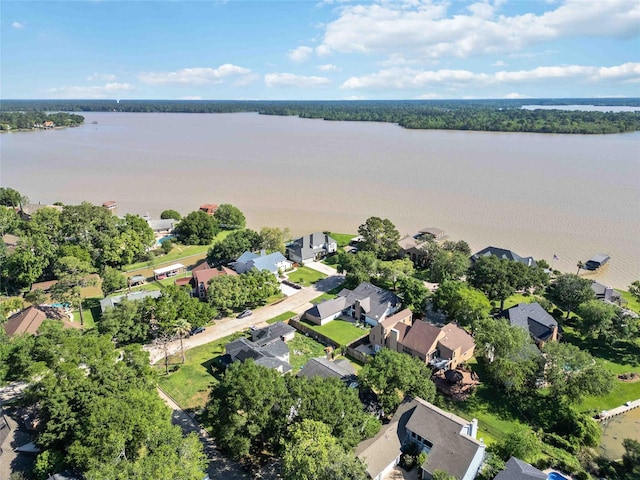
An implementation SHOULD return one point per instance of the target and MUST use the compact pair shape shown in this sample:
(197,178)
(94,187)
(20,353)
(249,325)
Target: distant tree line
(24,120)
(478,115)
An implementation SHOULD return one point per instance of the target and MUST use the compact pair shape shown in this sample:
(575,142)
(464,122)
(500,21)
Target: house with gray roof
(503,253)
(536,320)
(366,303)
(273,355)
(448,440)
(274,262)
(162,225)
(605,293)
(273,333)
(516,469)
(110,302)
(311,248)
(325,368)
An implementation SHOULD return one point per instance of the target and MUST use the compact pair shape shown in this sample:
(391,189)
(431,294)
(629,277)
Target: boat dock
(607,414)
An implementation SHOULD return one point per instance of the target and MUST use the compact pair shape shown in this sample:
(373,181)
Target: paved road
(297,303)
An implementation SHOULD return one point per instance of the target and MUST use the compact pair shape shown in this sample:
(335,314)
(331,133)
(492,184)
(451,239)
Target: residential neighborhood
(259,342)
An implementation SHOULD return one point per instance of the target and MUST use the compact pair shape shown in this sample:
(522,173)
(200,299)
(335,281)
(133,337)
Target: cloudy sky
(331,49)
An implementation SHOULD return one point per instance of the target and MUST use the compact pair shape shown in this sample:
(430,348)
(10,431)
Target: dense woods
(480,115)
(12,120)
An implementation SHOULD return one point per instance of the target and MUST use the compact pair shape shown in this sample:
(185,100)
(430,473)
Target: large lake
(567,195)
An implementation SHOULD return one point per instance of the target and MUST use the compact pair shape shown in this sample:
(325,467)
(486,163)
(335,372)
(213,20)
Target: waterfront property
(531,316)
(29,321)
(366,303)
(503,253)
(311,248)
(597,261)
(516,469)
(448,440)
(274,262)
(202,274)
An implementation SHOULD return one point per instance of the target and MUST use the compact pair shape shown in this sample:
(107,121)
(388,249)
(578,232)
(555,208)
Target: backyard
(302,349)
(305,276)
(340,331)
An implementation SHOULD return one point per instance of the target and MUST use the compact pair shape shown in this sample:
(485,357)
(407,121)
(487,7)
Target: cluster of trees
(247,240)
(100,415)
(24,120)
(227,293)
(89,233)
(483,115)
(199,228)
(151,318)
(255,410)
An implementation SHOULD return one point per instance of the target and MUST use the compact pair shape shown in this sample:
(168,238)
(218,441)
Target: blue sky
(330,49)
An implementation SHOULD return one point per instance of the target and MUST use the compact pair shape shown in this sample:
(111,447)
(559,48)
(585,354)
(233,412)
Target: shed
(169,271)
(137,279)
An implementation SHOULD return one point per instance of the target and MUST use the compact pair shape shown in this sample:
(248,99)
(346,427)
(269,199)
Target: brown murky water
(567,195)
(616,430)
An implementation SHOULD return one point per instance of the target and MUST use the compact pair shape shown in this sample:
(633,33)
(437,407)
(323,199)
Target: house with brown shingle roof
(29,321)
(202,274)
(444,347)
(448,440)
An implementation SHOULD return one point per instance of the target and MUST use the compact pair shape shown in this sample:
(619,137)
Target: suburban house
(274,262)
(110,302)
(273,333)
(410,245)
(27,210)
(273,355)
(443,348)
(503,253)
(29,321)
(311,248)
(201,275)
(536,320)
(448,440)
(162,226)
(44,286)
(603,292)
(366,303)
(516,469)
(325,368)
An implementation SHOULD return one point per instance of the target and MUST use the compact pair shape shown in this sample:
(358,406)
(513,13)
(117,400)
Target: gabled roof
(204,275)
(272,333)
(162,224)
(409,242)
(243,349)
(396,317)
(452,448)
(321,367)
(306,247)
(422,337)
(269,262)
(516,469)
(453,337)
(374,300)
(246,256)
(532,317)
(44,286)
(111,302)
(26,321)
(328,307)
(503,253)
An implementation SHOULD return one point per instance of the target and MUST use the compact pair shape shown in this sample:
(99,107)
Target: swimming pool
(555,476)
(165,238)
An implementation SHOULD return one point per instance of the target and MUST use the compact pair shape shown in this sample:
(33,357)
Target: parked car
(197,330)
(245,314)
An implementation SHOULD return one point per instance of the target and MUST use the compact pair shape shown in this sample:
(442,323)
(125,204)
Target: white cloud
(17,25)
(515,96)
(427,30)
(300,54)
(194,76)
(328,68)
(245,80)
(427,96)
(191,98)
(291,80)
(407,78)
(355,97)
(499,63)
(109,90)
(103,77)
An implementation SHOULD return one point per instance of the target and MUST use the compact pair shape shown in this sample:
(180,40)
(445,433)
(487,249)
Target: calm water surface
(616,430)
(568,195)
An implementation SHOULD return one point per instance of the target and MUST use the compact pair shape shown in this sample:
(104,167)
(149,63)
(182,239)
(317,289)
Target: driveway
(322,268)
(298,303)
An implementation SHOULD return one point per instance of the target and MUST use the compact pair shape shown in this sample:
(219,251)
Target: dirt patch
(630,377)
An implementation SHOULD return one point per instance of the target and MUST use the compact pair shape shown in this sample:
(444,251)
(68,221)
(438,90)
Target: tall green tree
(73,274)
(393,270)
(498,278)
(461,303)
(522,443)
(392,375)
(197,228)
(112,280)
(448,266)
(10,197)
(234,245)
(167,214)
(272,239)
(9,220)
(125,323)
(313,453)
(568,291)
(380,237)
(181,328)
(413,292)
(229,217)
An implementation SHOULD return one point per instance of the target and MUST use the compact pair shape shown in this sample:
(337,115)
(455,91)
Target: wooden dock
(607,414)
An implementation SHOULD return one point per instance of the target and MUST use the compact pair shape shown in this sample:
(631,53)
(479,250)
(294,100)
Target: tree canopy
(569,290)
(380,237)
(461,303)
(234,245)
(197,228)
(229,217)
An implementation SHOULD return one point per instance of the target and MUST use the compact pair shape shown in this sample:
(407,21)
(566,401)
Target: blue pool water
(60,305)
(166,237)
(555,476)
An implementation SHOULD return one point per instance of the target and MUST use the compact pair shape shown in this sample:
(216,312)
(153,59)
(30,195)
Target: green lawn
(305,276)
(343,239)
(323,297)
(632,302)
(301,349)
(90,312)
(191,383)
(282,317)
(517,298)
(340,331)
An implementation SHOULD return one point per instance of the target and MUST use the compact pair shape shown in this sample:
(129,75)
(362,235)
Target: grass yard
(632,302)
(340,331)
(302,349)
(90,312)
(191,383)
(305,276)
(517,298)
(323,297)
(343,239)
(282,317)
